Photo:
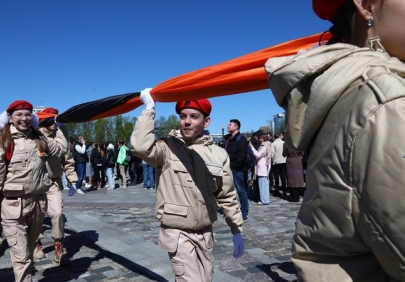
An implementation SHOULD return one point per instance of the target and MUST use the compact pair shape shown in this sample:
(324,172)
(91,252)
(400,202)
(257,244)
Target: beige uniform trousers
(55,210)
(22,219)
(190,252)
(1,228)
(123,174)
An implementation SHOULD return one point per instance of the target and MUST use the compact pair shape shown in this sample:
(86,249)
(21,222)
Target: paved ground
(112,236)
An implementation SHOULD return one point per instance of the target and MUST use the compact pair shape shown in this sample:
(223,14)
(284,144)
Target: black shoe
(245,217)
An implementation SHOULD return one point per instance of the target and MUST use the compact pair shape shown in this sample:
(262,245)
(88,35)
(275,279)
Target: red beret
(51,110)
(326,9)
(203,105)
(19,105)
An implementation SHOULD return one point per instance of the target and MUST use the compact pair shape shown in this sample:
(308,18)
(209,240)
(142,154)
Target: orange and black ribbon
(239,75)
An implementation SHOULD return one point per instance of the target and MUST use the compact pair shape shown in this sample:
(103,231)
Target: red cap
(326,9)
(50,110)
(203,105)
(19,105)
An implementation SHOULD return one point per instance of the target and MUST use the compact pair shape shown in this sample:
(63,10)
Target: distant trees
(117,128)
(163,125)
(120,127)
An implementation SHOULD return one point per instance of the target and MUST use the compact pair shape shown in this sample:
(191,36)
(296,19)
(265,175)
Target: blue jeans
(148,174)
(64,181)
(264,189)
(239,180)
(80,170)
(109,172)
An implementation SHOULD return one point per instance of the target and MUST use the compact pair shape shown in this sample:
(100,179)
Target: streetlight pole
(223,137)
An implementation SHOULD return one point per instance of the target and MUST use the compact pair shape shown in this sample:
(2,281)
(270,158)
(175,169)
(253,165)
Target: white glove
(146,99)
(3,119)
(72,190)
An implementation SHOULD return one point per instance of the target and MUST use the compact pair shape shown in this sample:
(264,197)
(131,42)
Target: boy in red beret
(193,178)
(56,166)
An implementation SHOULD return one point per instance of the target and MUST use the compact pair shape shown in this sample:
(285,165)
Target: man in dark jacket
(80,157)
(236,145)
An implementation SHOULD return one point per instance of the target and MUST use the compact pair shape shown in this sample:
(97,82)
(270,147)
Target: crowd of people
(99,165)
(266,166)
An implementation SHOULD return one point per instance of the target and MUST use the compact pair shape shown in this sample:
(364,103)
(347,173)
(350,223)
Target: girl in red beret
(345,104)
(24,182)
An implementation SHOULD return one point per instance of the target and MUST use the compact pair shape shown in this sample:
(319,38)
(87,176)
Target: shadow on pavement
(79,266)
(6,274)
(287,267)
(85,264)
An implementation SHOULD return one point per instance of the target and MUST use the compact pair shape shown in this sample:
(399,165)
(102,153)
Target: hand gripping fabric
(238,245)
(147,99)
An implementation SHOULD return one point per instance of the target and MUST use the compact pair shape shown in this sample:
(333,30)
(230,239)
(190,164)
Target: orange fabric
(239,75)
(42,115)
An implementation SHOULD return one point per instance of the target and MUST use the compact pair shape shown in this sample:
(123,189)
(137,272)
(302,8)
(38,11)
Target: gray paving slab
(111,235)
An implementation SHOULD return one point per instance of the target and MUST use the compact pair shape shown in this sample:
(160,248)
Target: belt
(16,198)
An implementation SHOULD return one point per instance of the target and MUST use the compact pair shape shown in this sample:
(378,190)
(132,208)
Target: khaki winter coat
(26,173)
(191,180)
(347,105)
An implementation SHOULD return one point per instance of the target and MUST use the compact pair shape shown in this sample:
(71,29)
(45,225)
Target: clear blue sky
(63,53)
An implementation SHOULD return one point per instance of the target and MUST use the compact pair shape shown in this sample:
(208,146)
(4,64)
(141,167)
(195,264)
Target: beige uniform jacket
(68,164)
(191,180)
(26,172)
(347,105)
(57,165)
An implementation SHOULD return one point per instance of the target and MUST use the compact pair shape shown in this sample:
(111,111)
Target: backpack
(128,157)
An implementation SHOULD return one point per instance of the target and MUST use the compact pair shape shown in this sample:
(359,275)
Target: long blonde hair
(5,139)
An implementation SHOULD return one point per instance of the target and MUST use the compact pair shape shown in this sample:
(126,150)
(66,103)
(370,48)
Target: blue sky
(66,52)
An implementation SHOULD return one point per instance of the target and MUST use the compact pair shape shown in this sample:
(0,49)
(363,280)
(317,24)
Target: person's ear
(207,122)
(365,9)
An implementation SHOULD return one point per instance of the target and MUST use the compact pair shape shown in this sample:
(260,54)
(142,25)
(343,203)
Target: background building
(37,109)
(278,122)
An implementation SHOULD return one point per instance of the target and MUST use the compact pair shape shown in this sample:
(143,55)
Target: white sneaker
(80,191)
(66,188)
(88,185)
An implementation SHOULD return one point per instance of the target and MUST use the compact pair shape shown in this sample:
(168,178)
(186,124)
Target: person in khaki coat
(193,177)
(345,101)
(24,182)
(56,166)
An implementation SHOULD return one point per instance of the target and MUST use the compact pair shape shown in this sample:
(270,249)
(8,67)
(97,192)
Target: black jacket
(237,151)
(80,158)
(109,160)
(95,157)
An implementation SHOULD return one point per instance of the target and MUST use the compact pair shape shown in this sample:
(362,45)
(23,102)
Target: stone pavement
(112,236)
